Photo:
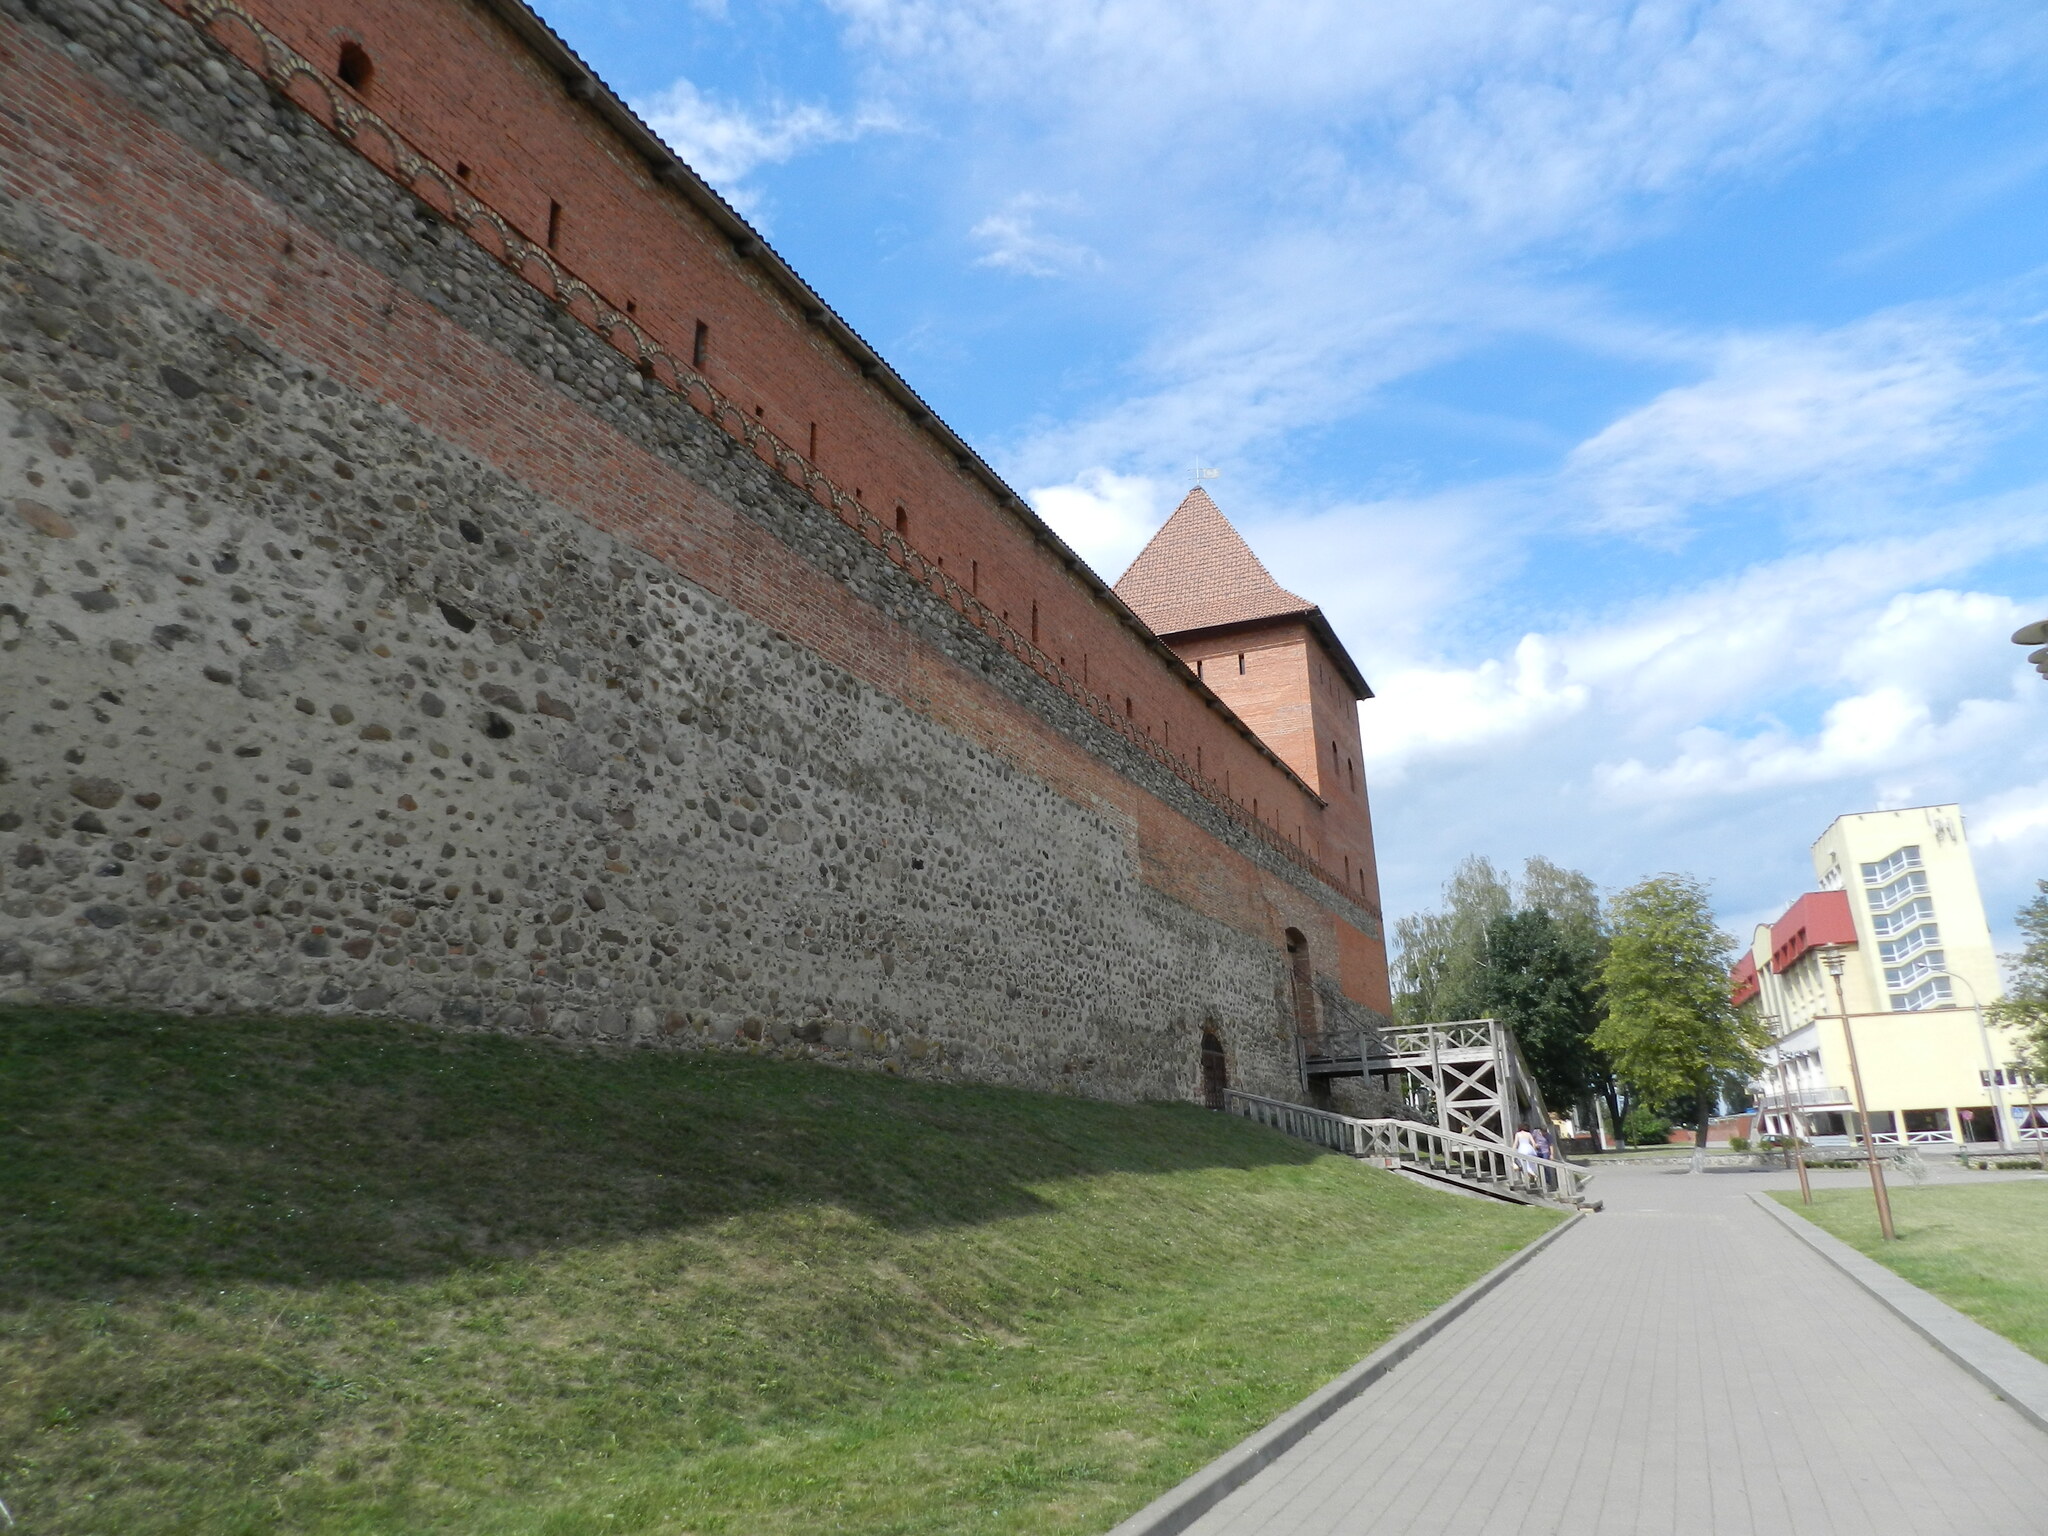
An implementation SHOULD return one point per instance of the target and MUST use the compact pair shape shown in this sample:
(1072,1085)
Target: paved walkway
(1679,1364)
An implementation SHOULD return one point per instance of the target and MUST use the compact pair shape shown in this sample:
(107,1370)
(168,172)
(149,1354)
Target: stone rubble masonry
(372,640)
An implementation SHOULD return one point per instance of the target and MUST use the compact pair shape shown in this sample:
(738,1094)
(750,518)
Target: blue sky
(1652,394)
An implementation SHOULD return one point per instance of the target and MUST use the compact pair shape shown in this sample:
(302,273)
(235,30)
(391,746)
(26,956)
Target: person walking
(1525,1152)
(1545,1151)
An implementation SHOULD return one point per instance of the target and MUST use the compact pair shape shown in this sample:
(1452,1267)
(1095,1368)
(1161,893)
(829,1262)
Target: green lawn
(342,1276)
(1981,1248)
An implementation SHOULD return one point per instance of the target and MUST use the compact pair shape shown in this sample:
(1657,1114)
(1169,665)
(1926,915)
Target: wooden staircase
(1447,1157)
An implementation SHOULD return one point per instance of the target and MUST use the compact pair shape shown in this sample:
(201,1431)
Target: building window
(354,68)
(1888,923)
(1892,951)
(902,522)
(1892,864)
(1883,898)
(813,454)
(700,349)
(554,224)
(1927,1124)
(1931,993)
(1034,621)
(1240,663)
(1899,977)
(1198,666)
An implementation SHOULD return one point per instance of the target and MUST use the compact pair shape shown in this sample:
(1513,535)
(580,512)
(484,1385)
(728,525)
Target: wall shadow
(153,1151)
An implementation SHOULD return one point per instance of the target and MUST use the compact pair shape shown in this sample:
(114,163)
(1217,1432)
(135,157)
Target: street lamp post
(1831,957)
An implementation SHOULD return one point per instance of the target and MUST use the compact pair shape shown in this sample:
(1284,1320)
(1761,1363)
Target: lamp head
(1832,959)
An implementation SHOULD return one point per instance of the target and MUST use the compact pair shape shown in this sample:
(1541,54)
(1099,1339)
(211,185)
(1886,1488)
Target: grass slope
(1983,1249)
(324,1276)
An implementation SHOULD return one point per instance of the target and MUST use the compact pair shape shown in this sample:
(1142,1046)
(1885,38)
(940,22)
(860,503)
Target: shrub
(1738,1143)
(1643,1126)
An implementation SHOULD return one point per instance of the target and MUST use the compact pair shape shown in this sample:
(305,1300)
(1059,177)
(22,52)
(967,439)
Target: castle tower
(1268,654)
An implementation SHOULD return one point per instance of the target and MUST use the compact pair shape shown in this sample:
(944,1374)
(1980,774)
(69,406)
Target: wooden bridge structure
(1467,1088)
(1467,1076)
(1468,1162)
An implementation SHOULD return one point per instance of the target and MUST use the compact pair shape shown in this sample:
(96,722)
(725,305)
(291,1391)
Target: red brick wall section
(467,90)
(1291,693)
(464,91)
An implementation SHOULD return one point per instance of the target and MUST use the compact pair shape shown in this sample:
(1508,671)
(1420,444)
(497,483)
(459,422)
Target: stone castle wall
(374,638)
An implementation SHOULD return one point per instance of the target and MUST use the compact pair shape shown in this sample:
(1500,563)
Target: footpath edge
(2009,1371)
(1187,1501)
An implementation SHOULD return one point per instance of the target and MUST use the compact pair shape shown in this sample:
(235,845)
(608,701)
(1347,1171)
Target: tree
(1528,954)
(1545,986)
(1670,1029)
(2025,1006)
(1442,965)
(1571,899)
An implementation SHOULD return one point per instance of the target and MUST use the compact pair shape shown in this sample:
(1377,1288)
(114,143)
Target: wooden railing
(1406,1142)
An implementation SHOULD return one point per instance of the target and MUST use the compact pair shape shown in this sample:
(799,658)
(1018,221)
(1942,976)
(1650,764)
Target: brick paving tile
(1679,1364)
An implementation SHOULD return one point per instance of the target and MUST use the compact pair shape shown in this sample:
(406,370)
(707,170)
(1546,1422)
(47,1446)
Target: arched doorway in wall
(1215,1070)
(1302,981)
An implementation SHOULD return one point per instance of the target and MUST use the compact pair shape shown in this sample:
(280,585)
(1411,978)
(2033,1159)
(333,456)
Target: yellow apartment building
(1896,897)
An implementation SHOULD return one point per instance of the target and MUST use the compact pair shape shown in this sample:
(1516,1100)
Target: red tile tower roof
(1198,572)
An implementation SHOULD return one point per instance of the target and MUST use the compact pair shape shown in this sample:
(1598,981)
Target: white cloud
(2020,815)
(723,144)
(1928,684)
(1842,411)
(1423,711)
(1899,677)
(1104,517)
(1016,244)
(1312,200)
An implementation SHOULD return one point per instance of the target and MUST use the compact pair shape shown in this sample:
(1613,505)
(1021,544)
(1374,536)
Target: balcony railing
(1802,1098)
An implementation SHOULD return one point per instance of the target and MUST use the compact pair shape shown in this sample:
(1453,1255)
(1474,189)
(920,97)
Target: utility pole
(1832,958)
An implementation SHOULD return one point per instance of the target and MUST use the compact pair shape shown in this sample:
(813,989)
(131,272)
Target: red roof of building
(1817,918)
(1198,573)
(1743,982)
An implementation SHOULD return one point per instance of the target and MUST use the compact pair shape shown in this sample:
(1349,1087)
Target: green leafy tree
(1441,973)
(1544,984)
(1528,953)
(2025,1006)
(1670,1030)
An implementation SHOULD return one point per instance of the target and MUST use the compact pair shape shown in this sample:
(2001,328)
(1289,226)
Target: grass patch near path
(1981,1248)
(355,1277)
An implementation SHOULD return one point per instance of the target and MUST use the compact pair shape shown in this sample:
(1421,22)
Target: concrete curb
(1185,1503)
(2009,1371)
